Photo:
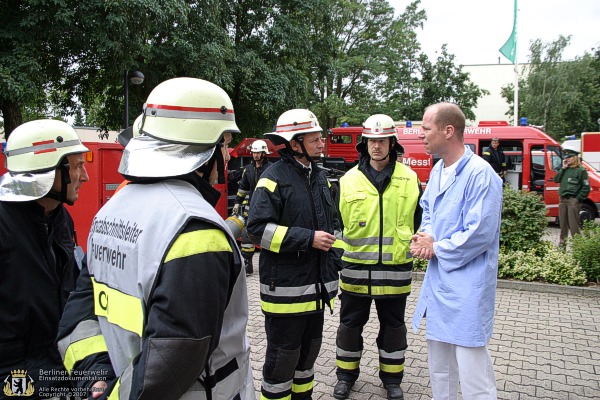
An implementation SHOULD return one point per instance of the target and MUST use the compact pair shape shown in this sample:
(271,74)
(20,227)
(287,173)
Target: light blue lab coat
(459,290)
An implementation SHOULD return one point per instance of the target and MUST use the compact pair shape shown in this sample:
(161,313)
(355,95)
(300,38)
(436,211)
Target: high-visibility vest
(377,232)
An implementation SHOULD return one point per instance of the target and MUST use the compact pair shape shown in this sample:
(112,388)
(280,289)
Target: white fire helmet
(293,123)
(34,150)
(184,119)
(379,126)
(259,146)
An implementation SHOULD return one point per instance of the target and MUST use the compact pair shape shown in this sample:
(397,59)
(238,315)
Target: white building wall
(492,77)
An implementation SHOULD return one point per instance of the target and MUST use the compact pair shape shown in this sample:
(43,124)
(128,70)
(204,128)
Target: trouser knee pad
(280,364)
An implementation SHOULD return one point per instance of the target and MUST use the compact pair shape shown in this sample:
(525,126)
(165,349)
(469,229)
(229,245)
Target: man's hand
(422,246)
(236,209)
(323,240)
(98,388)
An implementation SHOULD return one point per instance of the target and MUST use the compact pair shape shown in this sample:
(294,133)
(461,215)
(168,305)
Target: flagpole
(509,50)
(516,94)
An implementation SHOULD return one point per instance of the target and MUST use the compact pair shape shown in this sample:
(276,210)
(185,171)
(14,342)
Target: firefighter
(293,217)
(248,181)
(165,286)
(380,212)
(40,261)
(496,158)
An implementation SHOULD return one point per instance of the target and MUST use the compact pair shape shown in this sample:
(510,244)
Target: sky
(475,29)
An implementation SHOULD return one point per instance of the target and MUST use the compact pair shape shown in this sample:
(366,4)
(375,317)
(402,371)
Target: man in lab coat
(459,235)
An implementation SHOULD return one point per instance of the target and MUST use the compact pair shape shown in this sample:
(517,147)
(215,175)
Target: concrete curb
(536,287)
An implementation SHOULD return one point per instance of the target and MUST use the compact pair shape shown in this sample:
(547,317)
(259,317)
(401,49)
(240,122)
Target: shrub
(523,220)
(419,265)
(586,250)
(544,262)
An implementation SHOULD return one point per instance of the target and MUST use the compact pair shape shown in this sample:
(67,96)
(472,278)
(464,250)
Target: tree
(562,96)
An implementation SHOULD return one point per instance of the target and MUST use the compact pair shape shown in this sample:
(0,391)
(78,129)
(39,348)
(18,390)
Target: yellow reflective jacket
(378,227)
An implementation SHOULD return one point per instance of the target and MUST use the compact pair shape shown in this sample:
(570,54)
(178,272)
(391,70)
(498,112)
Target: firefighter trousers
(391,341)
(293,344)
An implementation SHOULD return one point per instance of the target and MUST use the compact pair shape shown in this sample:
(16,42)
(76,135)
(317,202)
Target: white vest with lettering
(127,243)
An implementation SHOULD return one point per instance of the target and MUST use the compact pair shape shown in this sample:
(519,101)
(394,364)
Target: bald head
(445,114)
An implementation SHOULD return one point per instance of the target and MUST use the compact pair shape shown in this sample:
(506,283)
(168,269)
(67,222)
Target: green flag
(509,49)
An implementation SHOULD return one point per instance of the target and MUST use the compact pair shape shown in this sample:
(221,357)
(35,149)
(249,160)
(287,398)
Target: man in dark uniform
(39,264)
(496,158)
(293,217)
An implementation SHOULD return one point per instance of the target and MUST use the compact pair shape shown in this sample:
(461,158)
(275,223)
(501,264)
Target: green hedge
(523,254)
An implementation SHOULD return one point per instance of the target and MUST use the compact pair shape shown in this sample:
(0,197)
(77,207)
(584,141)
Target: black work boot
(342,389)
(394,391)
(249,266)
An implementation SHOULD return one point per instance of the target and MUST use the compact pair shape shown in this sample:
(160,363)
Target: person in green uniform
(574,188)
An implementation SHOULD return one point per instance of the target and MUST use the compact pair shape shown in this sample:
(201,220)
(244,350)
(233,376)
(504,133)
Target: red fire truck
(534,158)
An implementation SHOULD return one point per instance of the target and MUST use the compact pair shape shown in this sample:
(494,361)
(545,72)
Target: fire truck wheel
(586,213)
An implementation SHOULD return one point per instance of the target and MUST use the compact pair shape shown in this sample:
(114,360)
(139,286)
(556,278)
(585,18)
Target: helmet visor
(147,157)
(25,186)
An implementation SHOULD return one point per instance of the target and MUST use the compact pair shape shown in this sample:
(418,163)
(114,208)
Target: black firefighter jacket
(288,205)
(37,272)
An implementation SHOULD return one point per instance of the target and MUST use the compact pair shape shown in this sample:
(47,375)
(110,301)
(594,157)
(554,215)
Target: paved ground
(545,346)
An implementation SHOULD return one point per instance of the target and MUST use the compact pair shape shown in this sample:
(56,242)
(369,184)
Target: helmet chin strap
(65,179)
(304,153)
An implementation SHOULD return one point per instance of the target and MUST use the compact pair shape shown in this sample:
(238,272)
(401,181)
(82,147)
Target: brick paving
(545,345)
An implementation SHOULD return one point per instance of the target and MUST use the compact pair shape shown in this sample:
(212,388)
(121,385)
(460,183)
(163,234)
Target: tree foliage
(562,96)
(343,59)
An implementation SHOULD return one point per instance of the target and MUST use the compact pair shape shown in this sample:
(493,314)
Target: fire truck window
(342,139)
(555,159)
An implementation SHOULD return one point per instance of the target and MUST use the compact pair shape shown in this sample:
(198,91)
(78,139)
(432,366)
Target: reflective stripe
(366,256)
(347,364)
(83,330)
(83,348)
(277,387)
(288,397)
(118,308)
(295,291)
(86,339)
(396,355)
(165,111)
(242,193)
(294,308)
(307,373)
(345,353)
(303,388)
(197,242)
(391,368)
(273,237)
(267,184)
(292,291)
(332,286)
(375,290)
(295,127)
(44,147)
(386,241)
(379,131)
(379,275)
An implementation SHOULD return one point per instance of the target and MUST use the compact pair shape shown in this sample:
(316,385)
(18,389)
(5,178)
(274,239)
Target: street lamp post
(136,78)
